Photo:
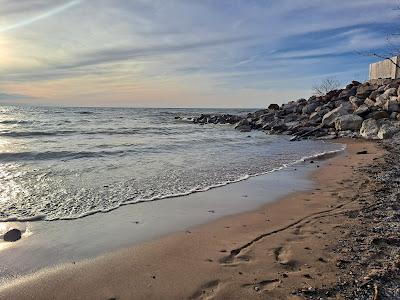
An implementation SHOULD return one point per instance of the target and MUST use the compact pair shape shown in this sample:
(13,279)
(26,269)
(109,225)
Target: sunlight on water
(70,162)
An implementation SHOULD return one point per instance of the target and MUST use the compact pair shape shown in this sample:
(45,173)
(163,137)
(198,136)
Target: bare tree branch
(327,85)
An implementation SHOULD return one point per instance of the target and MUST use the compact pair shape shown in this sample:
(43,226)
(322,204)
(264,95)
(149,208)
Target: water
(65,163)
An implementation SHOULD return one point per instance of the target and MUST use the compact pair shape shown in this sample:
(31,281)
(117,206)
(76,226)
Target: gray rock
(362,111)
(388,129)
(348,122)
(377,115)
(391,106)
(273,106)
(356,101)
(243,128)
(13,235)
(369,102)
(309,108)
(329,118)
(369,129)
(391,92)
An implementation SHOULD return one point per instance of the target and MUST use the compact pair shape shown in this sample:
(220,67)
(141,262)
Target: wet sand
(270,253)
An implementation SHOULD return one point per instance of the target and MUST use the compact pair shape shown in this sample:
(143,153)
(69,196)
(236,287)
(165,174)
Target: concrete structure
(385,69)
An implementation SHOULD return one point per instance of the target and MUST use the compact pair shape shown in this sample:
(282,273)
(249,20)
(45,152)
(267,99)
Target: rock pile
(370,110)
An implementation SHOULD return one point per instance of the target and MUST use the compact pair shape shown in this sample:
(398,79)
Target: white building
(385,69)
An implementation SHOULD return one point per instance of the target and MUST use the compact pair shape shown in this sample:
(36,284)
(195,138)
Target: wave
(321,155)
(15,122)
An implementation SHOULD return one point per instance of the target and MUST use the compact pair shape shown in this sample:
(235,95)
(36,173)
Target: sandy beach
(272,252)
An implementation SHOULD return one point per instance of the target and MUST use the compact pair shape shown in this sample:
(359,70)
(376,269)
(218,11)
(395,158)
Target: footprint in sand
(207,290)
(285,257)
(265,285)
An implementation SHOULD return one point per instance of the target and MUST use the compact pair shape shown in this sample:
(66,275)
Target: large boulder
(309,108)
(377,115)
(369,102)
(364,90)
(273,106)
(348,122)
(362,110)
(328,120)
(392,105)
(369,129)
(243,125)
(390,92)
(388,129)
(356,101)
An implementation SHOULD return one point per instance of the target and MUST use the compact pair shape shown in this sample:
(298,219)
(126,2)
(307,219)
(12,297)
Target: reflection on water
(71,162)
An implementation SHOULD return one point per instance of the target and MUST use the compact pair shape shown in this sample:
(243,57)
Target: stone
(391,106)
(391,92)
(388,129)
(377,115)
(381,100)
(309,108)
(329,118)
(12,235)
(243,125)
(364,90)
(398,92)
(356,101)
(369,102)
(348,122)
(369,129)
(273,106)
(362,111)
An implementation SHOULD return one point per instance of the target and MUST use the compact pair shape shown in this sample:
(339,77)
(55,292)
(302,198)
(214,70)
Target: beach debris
(362,152)
(12,235)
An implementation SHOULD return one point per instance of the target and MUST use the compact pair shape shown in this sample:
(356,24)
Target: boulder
(273,106)
(243,125)
(309,108)
(348,122)
(391,106)
(391,92)
(328,120)
(369,102)
(12,235)
(369,129)
(377,115)
(362,110)
(356,101)
(364,90)
(388,129)
(381,100)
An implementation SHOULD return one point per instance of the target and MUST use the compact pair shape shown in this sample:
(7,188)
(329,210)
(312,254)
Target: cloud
(227,47)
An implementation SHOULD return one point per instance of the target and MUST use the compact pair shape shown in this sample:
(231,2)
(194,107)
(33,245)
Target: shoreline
(186,259)
(47,244)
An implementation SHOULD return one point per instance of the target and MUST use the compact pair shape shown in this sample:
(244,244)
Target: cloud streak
(44,15)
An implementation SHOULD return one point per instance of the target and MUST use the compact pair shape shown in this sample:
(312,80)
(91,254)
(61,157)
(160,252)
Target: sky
(185,53)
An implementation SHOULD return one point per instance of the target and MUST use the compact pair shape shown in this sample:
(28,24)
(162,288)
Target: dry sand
(266,254)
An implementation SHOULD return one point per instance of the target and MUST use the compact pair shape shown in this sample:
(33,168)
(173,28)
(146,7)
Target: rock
(356,101)
(388,129)
(398,92)
(381,100)
(390,92)
(391,106)
(309,108)
(273,106)
(377,115)
(348,122)
(364,90)
(369,102)
(329,118)
(243,125)
(13,235)
(362,111)
(369,129)
(362,152)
